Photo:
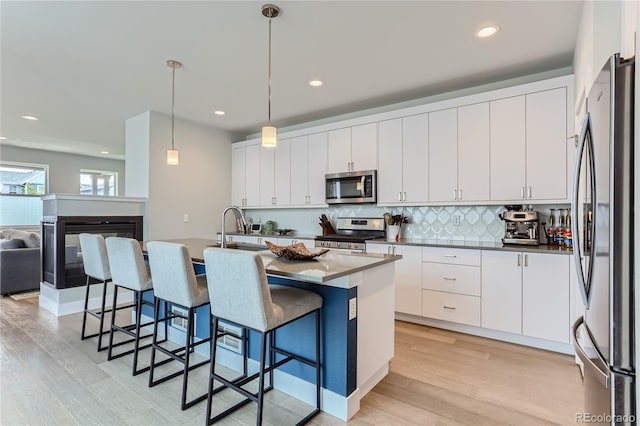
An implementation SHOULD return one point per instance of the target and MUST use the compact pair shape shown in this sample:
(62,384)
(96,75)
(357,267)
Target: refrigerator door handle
(602,376)
(584,281)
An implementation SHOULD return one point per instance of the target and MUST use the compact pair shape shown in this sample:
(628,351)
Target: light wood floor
(49,377)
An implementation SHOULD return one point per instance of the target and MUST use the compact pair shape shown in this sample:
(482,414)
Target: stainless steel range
(352,233)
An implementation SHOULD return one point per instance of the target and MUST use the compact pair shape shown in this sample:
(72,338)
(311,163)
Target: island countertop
(330,266)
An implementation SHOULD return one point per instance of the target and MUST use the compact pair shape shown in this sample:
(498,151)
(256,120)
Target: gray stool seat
(290,303)
(241,294)
(128,270)
(175,283)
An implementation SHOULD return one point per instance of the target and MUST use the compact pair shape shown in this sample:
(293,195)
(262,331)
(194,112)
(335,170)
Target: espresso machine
(520,226)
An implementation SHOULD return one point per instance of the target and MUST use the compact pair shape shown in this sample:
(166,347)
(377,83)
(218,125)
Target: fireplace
(61,255)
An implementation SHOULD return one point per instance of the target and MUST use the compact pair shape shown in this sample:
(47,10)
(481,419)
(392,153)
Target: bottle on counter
(568,234)
(551,240)
(559,234)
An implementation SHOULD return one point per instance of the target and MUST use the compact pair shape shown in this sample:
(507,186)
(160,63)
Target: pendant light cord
(269,107)
(173,95)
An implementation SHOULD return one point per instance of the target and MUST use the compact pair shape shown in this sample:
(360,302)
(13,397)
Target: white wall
(64,168)
(200,186)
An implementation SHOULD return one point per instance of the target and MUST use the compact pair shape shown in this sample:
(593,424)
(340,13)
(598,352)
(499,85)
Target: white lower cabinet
(502,291)
(407,283)
(452,307)
(451,285)
(526,293)
(545,296)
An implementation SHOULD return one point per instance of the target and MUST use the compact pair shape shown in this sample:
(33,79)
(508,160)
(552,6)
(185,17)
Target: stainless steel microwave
(351,187)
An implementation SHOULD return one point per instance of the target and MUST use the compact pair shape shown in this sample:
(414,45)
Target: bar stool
(175,282)
(96,265)
(129,271)
(240,294)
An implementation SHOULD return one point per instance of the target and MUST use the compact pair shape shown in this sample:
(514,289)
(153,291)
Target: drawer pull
(450,255)
(451,308)
(449,278)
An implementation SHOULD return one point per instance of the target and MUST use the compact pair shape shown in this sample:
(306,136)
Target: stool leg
(187,351)
(272,355)
(86,306)
(156,312)
(263,351)
(113,322)
(318,359)
(212,368)
(104,296)
(136,344)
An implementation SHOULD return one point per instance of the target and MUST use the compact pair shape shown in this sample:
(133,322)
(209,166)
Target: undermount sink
(241,246)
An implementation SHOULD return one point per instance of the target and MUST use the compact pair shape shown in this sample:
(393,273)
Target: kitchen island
(357,324)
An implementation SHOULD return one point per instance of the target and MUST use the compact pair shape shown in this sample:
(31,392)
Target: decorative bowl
(296,251)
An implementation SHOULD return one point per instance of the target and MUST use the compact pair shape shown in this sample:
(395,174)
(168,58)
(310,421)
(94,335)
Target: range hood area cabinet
(403,152)
(353,148)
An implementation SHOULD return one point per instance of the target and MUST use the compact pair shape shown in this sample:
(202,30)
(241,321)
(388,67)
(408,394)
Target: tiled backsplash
(477,223)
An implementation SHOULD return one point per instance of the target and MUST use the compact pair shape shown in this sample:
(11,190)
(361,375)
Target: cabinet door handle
(400,196)
(455,194)
(388,249)
(394,250)
(522,192)
(449,278)
(404,196)
(519,259)
(529,192)
(451,308)
(459,194)
(526,260)
(353,167)
(450,255)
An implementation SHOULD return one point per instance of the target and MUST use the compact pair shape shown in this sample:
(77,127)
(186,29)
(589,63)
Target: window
(23,178)
(98,182)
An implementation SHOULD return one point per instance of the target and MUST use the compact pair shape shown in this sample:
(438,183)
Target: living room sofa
(19,261)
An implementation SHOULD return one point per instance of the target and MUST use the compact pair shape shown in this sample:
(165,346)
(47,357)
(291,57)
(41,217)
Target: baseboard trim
(61,302)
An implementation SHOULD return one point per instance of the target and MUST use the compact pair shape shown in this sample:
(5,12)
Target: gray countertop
(477,245)
(321,270)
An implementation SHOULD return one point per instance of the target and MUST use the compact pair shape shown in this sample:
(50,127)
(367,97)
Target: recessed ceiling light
(316,83)
(487,31)
(3,138)
(218,112)
(104,152)
(30,117)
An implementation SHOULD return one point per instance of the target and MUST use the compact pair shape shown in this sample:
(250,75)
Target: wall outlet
(186,218)
(353,308)
(456,220)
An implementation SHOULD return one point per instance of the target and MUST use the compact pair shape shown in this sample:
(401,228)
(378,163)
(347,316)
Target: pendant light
(269,132)
(173,158)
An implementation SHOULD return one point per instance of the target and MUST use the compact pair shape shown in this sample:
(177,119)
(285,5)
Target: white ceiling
(83,68)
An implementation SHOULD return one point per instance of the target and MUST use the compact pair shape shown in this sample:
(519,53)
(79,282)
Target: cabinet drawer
(454,256)
(461,279)
(451,307)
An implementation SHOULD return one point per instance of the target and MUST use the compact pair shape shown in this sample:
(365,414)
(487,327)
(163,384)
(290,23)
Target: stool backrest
(94,256)
(126,262)
(238,287)
(173,276)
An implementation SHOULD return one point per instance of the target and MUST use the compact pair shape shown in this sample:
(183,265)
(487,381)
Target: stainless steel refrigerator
(602,212)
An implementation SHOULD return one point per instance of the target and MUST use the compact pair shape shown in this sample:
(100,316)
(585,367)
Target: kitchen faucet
(223,242)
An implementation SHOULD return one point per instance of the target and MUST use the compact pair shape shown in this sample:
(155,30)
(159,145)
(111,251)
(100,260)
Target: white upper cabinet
(353,148)
(238,179)
(252,175)
(415,159)
(529,147)
(308,167)
(507,118)
(473,152)
(390,150)
(546,134)
(443,155)
(275,172)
